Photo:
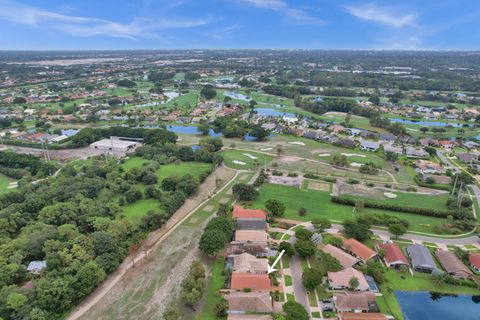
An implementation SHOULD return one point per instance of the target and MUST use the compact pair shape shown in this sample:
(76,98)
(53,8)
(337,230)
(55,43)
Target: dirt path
(149,275)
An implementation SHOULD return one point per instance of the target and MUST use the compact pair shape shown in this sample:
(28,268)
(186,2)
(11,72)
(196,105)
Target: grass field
(189,100)
(181,169)
(212,294)
(318,204)
(4,182)
(137,210)
(419,282)
(135,162)
(247,157)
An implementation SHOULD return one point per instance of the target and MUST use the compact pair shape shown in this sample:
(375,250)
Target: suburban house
(355,302)
(470,144)
(467,157)
(36,267)
(390,148)
(369,145)
(387,137)
(421,258)
(250,224)
(341,280)
(416,153)
(359,250)
(252,281)
(249,302)
(361,316)
(425,167)
(252,236)
(393,255)
(241,213)
(474,259)
(346,260)
(347,143)
(255,249)
(453,265)
(246,263)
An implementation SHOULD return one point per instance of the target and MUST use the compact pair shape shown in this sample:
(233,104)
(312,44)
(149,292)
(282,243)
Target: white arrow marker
(271,268)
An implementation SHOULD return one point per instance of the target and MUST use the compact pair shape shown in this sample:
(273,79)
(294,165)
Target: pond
(427,123)
(191,130)
(270,112)
(424,305)
(240,96)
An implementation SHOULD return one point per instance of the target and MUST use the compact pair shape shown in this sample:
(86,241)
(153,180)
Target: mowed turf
(318,204)
(438,202)
(4,182)
(246,157)
(135,162)
(137,210)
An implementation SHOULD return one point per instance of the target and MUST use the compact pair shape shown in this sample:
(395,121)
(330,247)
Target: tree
(353,283)
(311,278)
(302,211)
(171,313)
(221,308)
(424,129)
(204,129)
(321,224)
(357,230)
(287,246)
(305,248)
(208,92)
(275,207)
(258,132)
(133,194)
(303,234)
(245,192)
(295,311)
(397,229)
(211,242)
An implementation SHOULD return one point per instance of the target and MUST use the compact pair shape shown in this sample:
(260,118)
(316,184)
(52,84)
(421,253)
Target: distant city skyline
(231,24)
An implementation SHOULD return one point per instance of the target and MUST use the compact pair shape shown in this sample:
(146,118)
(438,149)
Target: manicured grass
(318,204)
(419,282)
(285,263)
(470,246)
(316,314)
(288,280)
(135,162)
(247,157)
(429,244)
(290,297)
(4,182)
(312,300)
(215,283)
(416,200)
(137,210)
(181,169)
(188,100)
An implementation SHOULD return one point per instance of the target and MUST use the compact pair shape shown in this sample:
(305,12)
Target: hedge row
(392,207)
(438,186)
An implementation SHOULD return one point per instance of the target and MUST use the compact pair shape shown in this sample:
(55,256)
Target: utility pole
(454,184)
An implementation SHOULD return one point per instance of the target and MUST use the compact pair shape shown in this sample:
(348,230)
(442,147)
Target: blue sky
(171,24)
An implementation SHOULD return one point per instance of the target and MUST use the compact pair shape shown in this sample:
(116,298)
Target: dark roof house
(421,258)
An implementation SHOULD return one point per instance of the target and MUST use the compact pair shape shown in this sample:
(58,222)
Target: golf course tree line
(18,166)
(75,224)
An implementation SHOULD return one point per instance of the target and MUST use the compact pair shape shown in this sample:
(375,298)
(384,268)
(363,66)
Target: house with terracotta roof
(453,265)
(346,260)
(252,236)
(393,255)
(361,316)
(359,250)
(240,213)
(249,302)
(341,280)
(254,282)
(474,260)
(246,263)
(355,302)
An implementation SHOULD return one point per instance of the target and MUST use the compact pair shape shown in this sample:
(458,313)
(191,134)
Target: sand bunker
(239,162)
(353,155)
(324,154)
(250,156)
(390,195)
(298,143)
(355,164)
(266,149)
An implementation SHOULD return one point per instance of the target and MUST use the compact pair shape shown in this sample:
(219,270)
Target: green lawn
(4,182)
(137,210)
(318,204)
(419,282)
(247,157)
(288,280)
(181,169)
(135,162)
(416,200)
(212,295)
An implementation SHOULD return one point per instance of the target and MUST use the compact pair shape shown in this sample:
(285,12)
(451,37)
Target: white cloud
(293,14)
(87,26)
(384,15)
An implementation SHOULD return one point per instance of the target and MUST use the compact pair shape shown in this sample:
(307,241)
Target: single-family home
(421,258)
(347,143)
(250,224)
(361,316)
(249,302)
(359,250)
(426,167)
(255,249)
(474,260)
(453,265)
(388,137)
(470,145)
(252,236)
(393,255)
(240,213)
(252,281)
(447,144)
(341,280)
(369,145)
(36,267)
(467,157)
(247,263)
(346,260)
(416,153)
(392,149)
(355,302)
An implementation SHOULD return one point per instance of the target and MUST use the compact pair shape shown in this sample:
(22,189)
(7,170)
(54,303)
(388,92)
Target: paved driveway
(300,292)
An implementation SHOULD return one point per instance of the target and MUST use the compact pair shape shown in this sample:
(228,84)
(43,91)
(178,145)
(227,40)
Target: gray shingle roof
(421,257)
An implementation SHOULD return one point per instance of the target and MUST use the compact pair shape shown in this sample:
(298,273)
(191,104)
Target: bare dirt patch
(287,181)
(356,190)
(320,186)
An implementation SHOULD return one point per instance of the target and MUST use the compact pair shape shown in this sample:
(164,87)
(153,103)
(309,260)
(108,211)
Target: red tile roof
(242,281)
(474,259)
(359,249)
(241,213)
(393,253)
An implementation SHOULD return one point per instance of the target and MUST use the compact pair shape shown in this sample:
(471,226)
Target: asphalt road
(447,161)
(300,292)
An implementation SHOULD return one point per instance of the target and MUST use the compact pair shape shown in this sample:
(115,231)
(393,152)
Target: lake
(270,112)
(194,130)
(427,123)
(424,305)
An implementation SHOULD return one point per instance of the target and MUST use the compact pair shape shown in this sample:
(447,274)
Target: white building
(116,145)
